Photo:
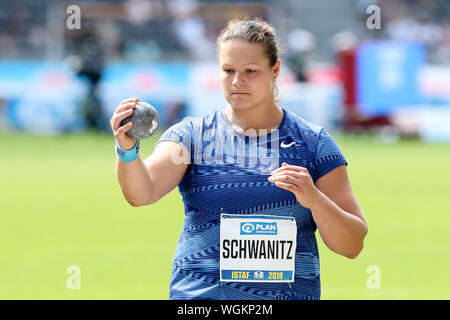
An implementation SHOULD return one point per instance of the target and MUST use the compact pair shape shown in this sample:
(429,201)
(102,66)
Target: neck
(266,117)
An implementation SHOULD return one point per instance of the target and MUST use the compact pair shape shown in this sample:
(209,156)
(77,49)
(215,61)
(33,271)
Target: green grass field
(61,205)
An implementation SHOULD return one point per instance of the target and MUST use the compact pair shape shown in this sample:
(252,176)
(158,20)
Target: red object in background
(324,75)
(347,62)
(146,80)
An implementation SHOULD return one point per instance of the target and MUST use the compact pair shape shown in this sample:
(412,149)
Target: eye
(227,70)
(250,71)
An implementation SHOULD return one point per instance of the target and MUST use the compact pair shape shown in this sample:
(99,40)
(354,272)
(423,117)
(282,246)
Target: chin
(238,104)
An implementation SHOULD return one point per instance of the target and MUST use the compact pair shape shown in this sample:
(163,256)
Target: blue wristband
(130,154)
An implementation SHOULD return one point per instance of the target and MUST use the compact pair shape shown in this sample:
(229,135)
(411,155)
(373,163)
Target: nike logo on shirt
(287,145)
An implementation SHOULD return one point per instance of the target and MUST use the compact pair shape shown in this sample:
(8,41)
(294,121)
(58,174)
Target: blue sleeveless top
(228,172)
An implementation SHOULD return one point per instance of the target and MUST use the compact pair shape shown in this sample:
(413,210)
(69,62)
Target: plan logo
(259,228)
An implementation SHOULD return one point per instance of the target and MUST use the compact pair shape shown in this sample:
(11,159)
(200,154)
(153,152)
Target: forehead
(238,53)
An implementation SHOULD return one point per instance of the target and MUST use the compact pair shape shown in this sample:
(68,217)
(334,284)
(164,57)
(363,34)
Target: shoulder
(186,126)
(318,141)
(197,122)
(302,128)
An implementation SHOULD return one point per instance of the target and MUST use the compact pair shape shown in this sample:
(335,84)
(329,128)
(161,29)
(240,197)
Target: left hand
(297,180)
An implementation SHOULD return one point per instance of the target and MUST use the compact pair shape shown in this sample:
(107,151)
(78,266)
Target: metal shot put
(145,121)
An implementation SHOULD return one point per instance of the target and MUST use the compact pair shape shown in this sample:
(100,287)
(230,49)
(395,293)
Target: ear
(276,69)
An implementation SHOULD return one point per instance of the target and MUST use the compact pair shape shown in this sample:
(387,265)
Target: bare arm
(334,207)
(134,180)
(145,182)
(338,216)
(167,166)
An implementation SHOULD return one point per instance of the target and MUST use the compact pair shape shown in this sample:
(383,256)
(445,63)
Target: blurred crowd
(130,29)
(142,30)
(313,35)
(424,21)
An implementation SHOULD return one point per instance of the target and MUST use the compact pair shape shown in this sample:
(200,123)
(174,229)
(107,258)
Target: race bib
(257,248)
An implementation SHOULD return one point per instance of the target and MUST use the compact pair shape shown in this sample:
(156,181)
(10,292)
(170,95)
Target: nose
(237,80)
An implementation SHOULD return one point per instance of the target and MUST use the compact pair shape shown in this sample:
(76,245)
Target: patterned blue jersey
(228,173)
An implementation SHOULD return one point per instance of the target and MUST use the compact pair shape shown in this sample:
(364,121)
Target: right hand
(125,109)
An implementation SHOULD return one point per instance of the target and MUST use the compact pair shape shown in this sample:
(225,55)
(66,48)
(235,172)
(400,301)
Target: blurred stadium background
(384,93)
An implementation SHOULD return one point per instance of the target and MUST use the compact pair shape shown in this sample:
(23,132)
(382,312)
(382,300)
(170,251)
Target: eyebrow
(248,64)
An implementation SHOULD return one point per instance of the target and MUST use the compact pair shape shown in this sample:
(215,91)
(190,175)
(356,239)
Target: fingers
(122,115)
(124,110)
(287,172)
(123,129)
(130,100)
(286,186)
(286,166)
(125,106)
(291,177)
(117,118)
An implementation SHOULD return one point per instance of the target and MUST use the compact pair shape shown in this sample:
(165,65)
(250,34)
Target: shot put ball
(145,121)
